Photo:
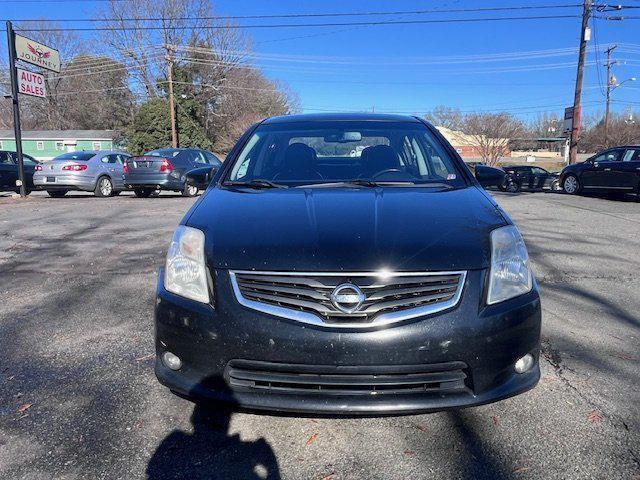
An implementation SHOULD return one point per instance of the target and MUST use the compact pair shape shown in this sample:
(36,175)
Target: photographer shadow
(210,452)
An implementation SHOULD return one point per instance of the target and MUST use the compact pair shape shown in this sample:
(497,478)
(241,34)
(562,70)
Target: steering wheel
(388,170)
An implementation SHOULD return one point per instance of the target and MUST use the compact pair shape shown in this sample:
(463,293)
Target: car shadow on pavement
(479,461)
(210,451)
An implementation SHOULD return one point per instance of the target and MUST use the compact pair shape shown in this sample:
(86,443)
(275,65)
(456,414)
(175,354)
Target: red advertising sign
(30,83)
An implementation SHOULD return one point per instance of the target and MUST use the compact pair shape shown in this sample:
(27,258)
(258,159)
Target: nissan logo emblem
(347,298)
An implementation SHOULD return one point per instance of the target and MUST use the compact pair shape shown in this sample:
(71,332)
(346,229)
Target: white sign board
(30,83)
(37,54)
(567,125)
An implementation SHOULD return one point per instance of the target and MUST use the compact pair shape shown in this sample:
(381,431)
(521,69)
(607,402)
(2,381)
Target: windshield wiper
(257,183)
(362,182)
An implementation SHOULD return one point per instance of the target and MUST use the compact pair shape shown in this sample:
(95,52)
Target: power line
(315,15)
(307,25)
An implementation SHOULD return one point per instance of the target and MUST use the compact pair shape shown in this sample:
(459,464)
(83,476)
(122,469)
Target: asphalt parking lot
(78,398)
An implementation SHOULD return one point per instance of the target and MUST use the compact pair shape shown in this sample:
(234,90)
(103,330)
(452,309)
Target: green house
(46,144)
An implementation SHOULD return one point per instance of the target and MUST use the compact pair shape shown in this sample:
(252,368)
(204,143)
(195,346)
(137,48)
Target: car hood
(347,229)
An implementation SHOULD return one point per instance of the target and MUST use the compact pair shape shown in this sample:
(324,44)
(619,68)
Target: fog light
(524,364)
(171,361)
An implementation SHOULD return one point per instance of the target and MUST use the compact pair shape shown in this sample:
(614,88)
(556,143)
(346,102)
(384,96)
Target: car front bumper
(483,342)
(68,181)
(161,181)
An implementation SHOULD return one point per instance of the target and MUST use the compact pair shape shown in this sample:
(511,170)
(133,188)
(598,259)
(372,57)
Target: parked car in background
(613,170)
(90,171)
(309,280)
(495,177)
(533,177)
(9,171)
(166,169)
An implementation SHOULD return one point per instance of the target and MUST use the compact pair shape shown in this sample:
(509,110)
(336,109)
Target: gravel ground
(78,398)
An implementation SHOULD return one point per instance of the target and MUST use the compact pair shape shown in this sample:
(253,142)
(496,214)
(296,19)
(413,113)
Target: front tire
(571,184)
(189,190)
(104,187)
(57,193)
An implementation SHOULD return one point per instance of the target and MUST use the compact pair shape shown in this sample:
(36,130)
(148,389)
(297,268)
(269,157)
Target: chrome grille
(387,297)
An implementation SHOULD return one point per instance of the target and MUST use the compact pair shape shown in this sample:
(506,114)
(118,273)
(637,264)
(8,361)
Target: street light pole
(610,84)
(575,127)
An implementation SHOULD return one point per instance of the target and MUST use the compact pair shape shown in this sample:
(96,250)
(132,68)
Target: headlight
(185,271)
(510,274)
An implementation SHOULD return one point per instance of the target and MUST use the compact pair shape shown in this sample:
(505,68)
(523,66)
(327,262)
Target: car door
(540,177)
(599,172)
(628,169)
(526,178)
(112,163)
(8,172)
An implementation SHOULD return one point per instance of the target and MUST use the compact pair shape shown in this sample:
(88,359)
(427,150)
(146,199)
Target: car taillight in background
(125,168)
(166,166)
(76,167)
(38,168)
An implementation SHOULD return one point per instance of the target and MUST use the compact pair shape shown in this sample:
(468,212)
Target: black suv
(613,170)
(166,169)
(347,264)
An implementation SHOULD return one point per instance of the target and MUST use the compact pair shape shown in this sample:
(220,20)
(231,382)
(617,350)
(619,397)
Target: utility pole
(13,74)
(610,84)
(174,131)
(575,128)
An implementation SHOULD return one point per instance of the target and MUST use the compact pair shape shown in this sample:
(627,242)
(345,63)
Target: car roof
(341,117)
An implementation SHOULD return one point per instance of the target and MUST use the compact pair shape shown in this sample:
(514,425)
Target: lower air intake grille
(440,378)
(348,300)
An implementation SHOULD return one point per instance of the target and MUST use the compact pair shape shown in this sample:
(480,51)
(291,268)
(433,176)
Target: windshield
(82,156)
(333,152)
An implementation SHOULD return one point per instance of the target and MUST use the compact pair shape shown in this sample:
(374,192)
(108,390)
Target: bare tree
(491,133)
(107,104)
(443,116)
(547,124)
(624,129)
(146,50)
(247,97)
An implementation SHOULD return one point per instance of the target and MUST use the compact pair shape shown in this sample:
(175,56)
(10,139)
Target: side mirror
(201,177)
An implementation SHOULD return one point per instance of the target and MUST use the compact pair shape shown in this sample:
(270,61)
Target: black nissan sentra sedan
(347,264)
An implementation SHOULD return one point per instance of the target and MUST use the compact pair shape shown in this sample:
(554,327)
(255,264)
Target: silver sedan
(90,171)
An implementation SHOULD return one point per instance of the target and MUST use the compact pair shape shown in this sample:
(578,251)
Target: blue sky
(412,68)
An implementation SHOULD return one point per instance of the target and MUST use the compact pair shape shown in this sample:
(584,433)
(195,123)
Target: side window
(211,158)
(106,159)
(199,158)
(5,158)
(610,156)
(631,155)
(120,159)
(538,171)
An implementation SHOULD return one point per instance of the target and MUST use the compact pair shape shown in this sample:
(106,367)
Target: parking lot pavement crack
(554,358)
